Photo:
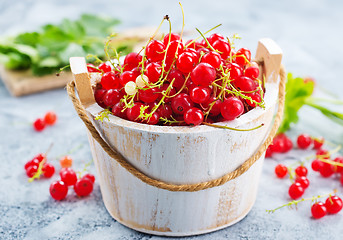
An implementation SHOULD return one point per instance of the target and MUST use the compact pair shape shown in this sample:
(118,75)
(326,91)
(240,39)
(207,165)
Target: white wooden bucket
(181,155)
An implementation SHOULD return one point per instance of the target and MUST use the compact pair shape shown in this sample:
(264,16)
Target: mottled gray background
(310,34)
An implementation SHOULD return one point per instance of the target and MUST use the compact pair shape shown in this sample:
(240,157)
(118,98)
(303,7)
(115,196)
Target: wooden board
(21,83)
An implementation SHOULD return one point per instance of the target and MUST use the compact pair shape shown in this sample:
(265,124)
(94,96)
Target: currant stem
(295,202)
(234,129)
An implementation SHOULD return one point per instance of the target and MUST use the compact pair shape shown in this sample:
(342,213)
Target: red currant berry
(194,54)
(90,176)
(223,47)
(235,70)
(202,51)
(83,187)
(110,80)
(126,77)
(39,124)
(105,67)
(322,153)
(40,157)
(269,152)
(155,50)
(318,210)
(50,118)
(232,108)
(165,111)
(181,103)
(31,170)
(99,97)
(318,143)
(179,78)
(296,191)
(252,72)
(245,84)
(212,58)
(112,97)
(203,74)
(288,144)
(92,68)
(66,161)
(153,71)
(175,48)
(33,162)
(333,204)
(243,56)
(214,37)
(304,182)
(301,171)
(68,176)
(58,190)
(148,95)
(48,170)
(281,171)
(304,141)
(339,160)
(326,170)
(256,97)
(200,94)
(133,113)
(154,119)
(170,37)
(118,110)
(185,62)
(190,44)
(316,165)
(132,60)
(278,145)
(194,116)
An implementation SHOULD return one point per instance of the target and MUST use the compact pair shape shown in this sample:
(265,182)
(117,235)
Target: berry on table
(50,118)
(295,191)
(68,176)
(281,171)
(304,141)
(83,187)
(317,165)
(334,204)
(318,210)
(90,177)
(318,142)
(58,190)
(39,124)
(301,171)
(304,182)
(48,170)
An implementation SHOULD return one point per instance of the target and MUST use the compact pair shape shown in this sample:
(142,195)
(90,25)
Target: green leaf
(73,50)
(97,25)
(49,62)
(30,38)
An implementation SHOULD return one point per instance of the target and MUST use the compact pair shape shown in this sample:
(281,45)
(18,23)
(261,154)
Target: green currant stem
(79,173)
(234,129)
(103,114)
(208,44)
(194,40)
(295,202)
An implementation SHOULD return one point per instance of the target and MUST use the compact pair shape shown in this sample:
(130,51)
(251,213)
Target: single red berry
(181,103)
(105,67)
(288,144)
(203,74)
(235,70)
(304,141)
(304,182)
(48,170)
(278,145)
(185,62)
(254,96)
(214,37)
(50,118)
(31,170)
(68,176)
(334,204)
(58,190)
(252,72)
(148,95)
(194,116)
(175,48)
(301,171)
(90,176)
(118,110)
(126,77)
(281,171)
(245,84)
(200,94)
(212,58)
(165,111)
(326,170)
(296,191)
(83,187)
(232,108)
(170,37)
(243,56)
(110,80)
(316,165)
(92,68)
(33,162)
(318,210)
(99,97)
(132,60)
(178,78)
(154,119)
(112,97)
(133,113)
(318,143)
(223,47)
(39,124)
(153,71)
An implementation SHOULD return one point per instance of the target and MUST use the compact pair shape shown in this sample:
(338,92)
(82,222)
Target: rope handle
(271,66)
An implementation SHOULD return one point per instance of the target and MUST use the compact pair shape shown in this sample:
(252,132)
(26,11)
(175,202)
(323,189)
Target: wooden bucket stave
(181,155)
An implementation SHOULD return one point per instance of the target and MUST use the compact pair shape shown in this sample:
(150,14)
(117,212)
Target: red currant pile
(38,165)
(322,164)
(49,118)
(180,83)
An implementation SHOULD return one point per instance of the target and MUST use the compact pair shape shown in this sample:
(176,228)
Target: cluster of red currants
(321,164)
(181,83)
(49,119)
(82,186)
(32,166)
